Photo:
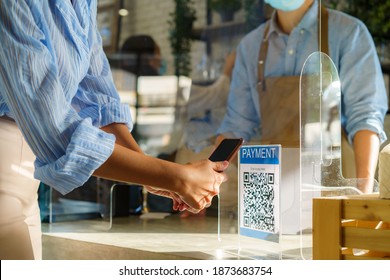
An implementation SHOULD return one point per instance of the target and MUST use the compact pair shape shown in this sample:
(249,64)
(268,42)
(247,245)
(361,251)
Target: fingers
(204,202)
(219,175)
(184,207)
(178,204)
(219,178)
(175,205)
(205,178)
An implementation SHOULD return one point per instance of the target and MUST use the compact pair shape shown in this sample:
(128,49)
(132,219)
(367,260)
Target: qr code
(258,201)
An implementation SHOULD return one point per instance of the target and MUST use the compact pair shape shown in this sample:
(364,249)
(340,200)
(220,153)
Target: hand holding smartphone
(226,150)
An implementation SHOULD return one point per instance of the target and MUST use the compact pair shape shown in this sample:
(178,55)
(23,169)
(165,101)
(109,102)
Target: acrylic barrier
(322,140)
(277,184)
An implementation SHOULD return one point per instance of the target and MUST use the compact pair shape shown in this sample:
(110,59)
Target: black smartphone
(226,150)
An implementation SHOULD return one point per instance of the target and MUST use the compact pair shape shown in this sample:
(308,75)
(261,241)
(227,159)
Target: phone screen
(226,149)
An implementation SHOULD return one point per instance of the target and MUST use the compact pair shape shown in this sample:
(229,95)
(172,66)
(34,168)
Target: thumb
(220,166)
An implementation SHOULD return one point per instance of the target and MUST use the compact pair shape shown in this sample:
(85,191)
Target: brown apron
(279,104)
(279,97)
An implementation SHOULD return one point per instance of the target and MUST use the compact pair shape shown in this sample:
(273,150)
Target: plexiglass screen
(322,141)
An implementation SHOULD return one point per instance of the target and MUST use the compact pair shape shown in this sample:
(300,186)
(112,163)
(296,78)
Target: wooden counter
(345,227)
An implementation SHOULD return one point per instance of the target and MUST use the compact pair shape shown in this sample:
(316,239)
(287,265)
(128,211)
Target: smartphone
(226,150)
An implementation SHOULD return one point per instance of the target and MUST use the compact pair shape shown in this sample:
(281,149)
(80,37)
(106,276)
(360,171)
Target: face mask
(285,5)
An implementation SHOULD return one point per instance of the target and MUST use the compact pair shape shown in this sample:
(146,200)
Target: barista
(264,91)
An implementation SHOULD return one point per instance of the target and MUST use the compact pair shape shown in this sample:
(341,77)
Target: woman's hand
(201,183)
(202,180)
(178,204)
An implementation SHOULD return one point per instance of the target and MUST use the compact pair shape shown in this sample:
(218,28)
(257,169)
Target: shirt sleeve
(241,118)
(67,148)
(364,98)
(97,96)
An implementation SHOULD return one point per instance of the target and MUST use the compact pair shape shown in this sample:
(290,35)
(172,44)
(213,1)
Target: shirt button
(291,52)
(261,62)
(302,31)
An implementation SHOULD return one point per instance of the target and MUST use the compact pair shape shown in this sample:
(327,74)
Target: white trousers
(20,223)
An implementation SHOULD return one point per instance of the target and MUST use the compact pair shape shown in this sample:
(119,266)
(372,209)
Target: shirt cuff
(374,128)
(116,113)
(88,149)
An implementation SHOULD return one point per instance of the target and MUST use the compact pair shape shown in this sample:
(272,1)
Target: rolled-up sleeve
(67,146)
(364,97)
(89,148)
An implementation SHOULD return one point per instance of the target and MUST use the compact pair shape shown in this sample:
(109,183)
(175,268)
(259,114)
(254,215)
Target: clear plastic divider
(321,141)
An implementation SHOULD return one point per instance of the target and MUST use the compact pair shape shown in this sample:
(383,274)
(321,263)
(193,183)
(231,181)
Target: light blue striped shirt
(364,99)
(56,83)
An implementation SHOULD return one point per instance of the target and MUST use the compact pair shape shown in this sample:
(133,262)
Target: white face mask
(285,5)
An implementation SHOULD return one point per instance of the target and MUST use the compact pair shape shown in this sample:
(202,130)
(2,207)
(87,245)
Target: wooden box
(351,227)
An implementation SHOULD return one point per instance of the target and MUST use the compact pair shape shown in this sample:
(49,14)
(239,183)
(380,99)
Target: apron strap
(261,63)
(323,29)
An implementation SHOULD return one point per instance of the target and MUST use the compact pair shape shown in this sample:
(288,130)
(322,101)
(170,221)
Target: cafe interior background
(100,220)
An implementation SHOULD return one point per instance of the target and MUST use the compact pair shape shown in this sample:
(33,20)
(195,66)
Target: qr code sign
(258,201)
